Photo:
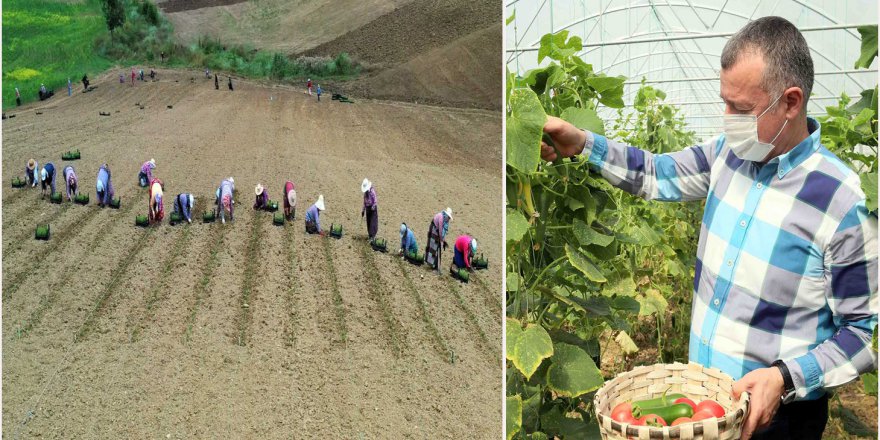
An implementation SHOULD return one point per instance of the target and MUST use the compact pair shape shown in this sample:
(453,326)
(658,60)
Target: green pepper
(664,400)
(669,413)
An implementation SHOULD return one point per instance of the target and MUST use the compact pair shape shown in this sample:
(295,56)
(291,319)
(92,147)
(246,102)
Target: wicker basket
(693,380)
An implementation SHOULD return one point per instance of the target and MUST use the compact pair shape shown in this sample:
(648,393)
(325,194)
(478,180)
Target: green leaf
(514,416)
(652,302)
(626,304)
(512,331)
(584,118)
(869,186)
(554,422)
(538,436)
(525,125)
(612,98)
(604,83)
(594,304)
(587,236)
(532,346)
(582,263)
(869,380)
(511,18)
(517,225)
(869,46)
(513,281)
(572,372)
(624,286)
(556,47)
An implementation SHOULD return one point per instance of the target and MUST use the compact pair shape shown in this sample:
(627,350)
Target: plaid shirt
(787,258)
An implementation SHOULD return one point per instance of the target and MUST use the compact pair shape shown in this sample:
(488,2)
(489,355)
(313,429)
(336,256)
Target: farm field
(249,330)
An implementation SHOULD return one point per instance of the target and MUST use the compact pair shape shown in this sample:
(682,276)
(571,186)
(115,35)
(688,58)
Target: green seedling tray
(481,263)
(71,155)
(17,182)
(272,206)
(55,198)
(415,258)
(141,220)
(278,219)
(208,217)
(42,232)
(460,274)
(335,230)
(175,218)
(82,199)
(379,244)
(115,203)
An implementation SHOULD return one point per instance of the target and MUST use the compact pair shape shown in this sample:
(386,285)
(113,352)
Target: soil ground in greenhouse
(235,331)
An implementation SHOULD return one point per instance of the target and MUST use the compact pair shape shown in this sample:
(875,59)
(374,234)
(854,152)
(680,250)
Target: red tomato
(688,401)
(700,415)
(652,419)
(622,413)
(711,406)
(681,420)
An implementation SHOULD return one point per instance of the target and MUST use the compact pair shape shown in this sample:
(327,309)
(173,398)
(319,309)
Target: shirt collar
(788,161)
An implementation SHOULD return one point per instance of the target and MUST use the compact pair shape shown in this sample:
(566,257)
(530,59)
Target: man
(230,83)
(30,172)
(216,82)
(69,87)
(785,286)
(17,97)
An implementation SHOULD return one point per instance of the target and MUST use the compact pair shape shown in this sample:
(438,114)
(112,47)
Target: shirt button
(705,341)
(730,262)
(742,223)
(716,302)
(759,185)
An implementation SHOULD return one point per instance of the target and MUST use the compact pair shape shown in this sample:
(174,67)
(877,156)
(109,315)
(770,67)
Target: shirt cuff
(589,141)
(805,374)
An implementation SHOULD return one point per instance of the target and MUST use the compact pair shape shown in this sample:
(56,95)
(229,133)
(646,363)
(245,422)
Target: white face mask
(741,133)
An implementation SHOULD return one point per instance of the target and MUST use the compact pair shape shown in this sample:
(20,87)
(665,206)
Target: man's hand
(765,387)
(568,139)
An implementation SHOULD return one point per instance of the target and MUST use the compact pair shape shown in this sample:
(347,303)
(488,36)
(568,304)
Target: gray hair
(785,51)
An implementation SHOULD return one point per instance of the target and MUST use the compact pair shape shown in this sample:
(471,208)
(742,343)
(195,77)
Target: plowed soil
(249,330)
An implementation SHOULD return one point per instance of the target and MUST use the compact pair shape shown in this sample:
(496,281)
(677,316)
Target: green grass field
(47,41)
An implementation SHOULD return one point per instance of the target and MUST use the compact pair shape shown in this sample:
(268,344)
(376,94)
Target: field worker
(30,172)
(146,174)
(786,275)
(141,74)
(47,178)
(309,86)
(104,186)
(319,92)
(207,73)
(70,181)
(121,78)
(157,209)
(152,74)
(313,217)
(224,199)
(437,237)
(17,97)
(183,205)
(69,87)
(216,82)
(371,208)
(132,76)
(407,240)
(465,249)
(262,197)
(289,200)
(230,83)
(85,81)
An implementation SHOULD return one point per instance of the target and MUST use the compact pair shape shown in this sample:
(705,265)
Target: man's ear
(793,100)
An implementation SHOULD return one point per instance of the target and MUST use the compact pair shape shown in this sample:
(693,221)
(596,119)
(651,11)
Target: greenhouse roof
(675,45)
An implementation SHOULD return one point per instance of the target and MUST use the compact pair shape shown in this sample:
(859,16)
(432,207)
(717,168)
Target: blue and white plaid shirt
(787,259)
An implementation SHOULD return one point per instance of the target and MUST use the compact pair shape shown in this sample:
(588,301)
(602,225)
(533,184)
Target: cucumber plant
(574,243)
